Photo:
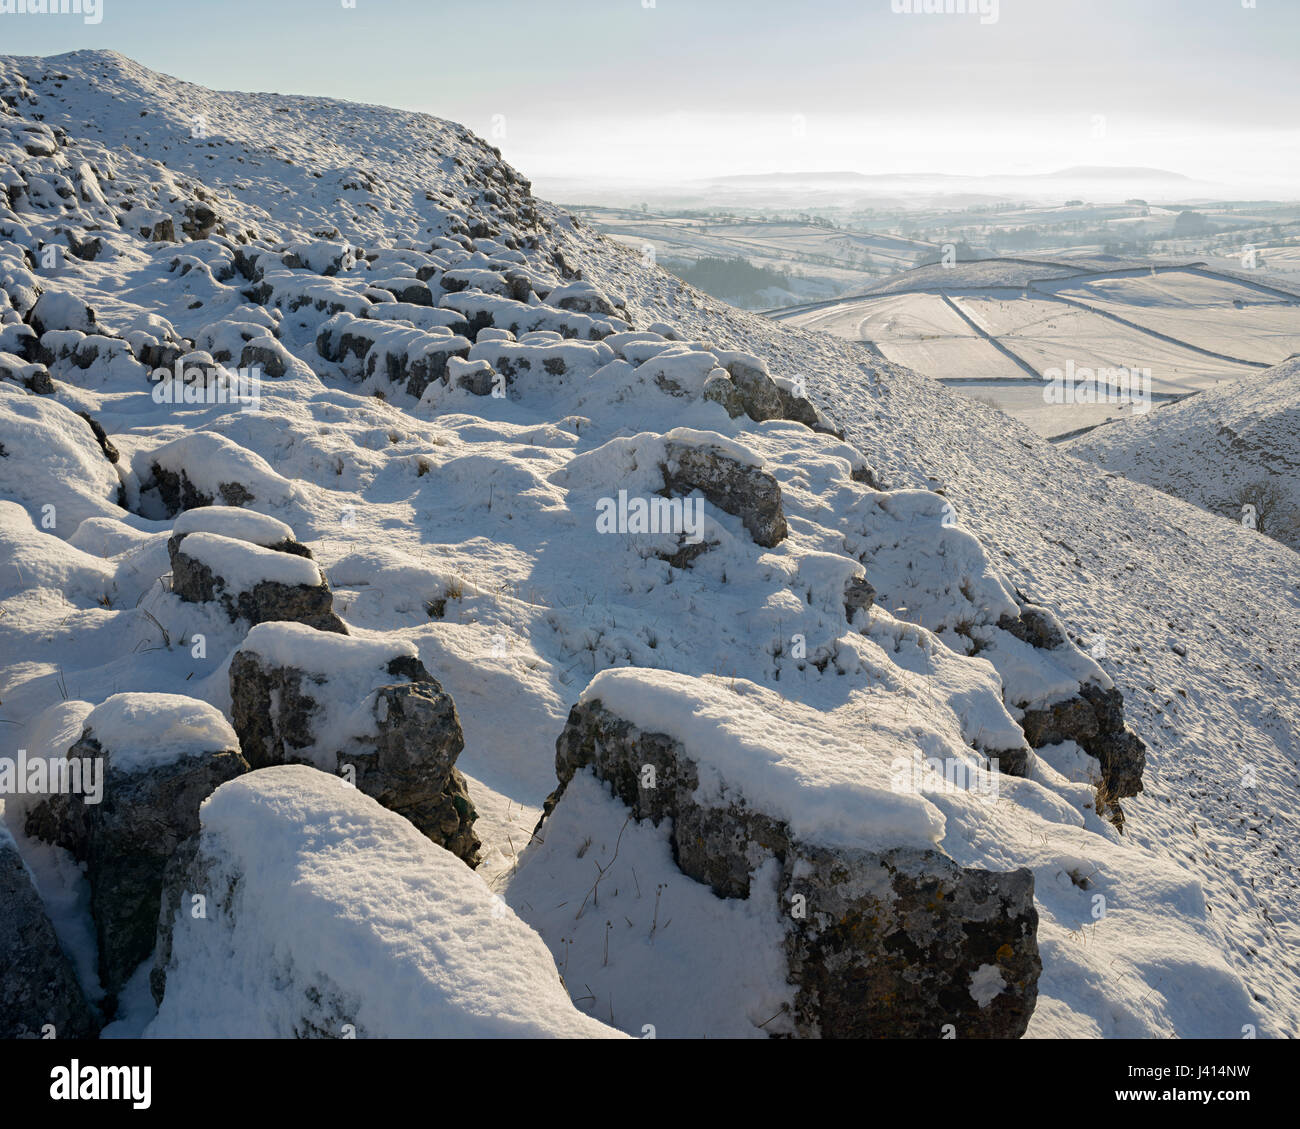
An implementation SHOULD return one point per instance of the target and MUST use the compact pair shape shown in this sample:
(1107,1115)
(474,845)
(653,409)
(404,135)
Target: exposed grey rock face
(149,809)
(723,390)
(765,398)
(37,983)
(101,437)
(177,884)
(199,221)
(404,355)
(748,492)
(866,476)
(859,595)
(159,231)
(758,392)
(1094,720)
(415,372)
(266,354)
(407,763)
(410,290)
(32,376)
(800,409)
(477,377)
(195,582)
(1035,626)
(893,944)
(178,493)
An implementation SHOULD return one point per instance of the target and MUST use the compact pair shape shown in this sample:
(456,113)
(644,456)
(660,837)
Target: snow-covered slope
(390,274)
(1227,448)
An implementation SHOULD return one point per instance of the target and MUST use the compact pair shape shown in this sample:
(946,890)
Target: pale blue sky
(576,88)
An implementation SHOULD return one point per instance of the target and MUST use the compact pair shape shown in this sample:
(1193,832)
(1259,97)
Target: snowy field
(1191,330)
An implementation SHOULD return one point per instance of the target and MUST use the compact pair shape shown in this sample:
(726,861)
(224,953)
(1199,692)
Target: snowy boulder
(156,351)
(583,298)
(241,524)
(882,941)
(409,291)
(82,351)
(320,257)
(197,470)
(266,355)
(490,311)
(38,986)
(1095,722)
(328,917)
(251,582)
(156,758)
(729,477)
(1093,717)
(34,377)
(678,370)
(507,284)
(346,336)
(419,317)
(199,222)
(476,377)
(252,343)
(537,355)
(859,596)
(53,462)
(367,708)
(154,225)
(796,406)
(20,340)
(719,388)
(759,394)
(413,358)
(764,397)
(55,310)
(294,290)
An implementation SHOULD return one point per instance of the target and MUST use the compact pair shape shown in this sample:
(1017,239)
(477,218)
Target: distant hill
(1078,172)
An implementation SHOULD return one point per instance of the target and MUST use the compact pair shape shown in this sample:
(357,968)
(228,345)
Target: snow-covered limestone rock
(251,582)
(886,936)
(327,916)
(729,477)
(38,987)
(368,709)
(157,756)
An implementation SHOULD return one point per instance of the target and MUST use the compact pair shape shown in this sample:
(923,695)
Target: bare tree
(1266,506)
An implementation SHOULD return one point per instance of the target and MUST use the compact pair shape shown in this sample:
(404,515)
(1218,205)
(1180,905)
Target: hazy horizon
(710,91)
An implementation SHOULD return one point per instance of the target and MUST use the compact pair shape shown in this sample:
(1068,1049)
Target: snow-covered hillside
(465,422)
(1233,450)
